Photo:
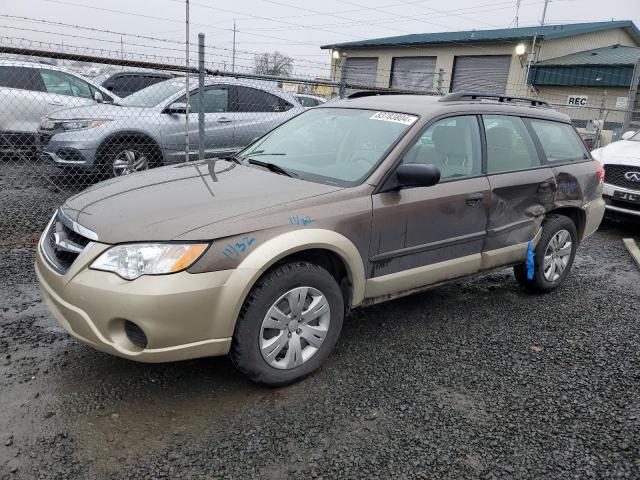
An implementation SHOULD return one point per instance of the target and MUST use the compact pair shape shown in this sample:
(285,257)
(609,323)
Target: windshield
(153,95)
(636,137)
(331,145)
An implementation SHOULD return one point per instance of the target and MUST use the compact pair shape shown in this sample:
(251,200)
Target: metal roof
(498,35)
(612,55)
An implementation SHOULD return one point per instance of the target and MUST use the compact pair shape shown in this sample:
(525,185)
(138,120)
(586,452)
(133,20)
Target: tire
(252,336)
(123,157)
(554,227)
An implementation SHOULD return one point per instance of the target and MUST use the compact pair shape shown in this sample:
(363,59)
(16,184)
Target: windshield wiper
(273,167)
(233,157)
(259,153)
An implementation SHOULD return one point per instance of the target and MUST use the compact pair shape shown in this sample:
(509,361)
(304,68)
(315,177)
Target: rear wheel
(288,325)
(554,255)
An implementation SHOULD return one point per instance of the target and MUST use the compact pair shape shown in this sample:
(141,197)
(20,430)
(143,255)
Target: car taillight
(599,171)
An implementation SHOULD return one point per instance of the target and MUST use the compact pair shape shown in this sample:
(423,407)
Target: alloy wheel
(129,161)
(294,327)
(557,255)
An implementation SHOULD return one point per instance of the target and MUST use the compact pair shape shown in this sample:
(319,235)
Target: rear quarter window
(560,142)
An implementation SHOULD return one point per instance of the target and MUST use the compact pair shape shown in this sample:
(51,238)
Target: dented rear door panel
(519,201)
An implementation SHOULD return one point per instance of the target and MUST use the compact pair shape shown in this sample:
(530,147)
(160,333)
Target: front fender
(242,279)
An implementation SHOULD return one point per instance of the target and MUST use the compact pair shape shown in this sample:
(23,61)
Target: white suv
(30,90)
(621,161)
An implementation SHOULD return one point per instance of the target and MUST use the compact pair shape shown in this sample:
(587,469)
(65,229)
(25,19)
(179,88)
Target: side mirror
(417,175)
(177,108)
(627,135)
(97,96)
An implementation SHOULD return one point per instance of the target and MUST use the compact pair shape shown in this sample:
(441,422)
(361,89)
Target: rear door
(254,112)
(22,100)
(429,234)
(522,187)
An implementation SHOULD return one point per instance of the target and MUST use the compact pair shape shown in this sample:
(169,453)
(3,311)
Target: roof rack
(374,93)
(493,97)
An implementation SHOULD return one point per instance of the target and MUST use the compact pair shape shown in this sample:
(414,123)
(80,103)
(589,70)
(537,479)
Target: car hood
(169,202)
(622,152)
(99,110)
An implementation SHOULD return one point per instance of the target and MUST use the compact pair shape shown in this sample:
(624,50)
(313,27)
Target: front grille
(614,175)
(61,244)
(622,204)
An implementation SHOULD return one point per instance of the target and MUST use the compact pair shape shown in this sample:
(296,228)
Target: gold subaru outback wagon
(260,255)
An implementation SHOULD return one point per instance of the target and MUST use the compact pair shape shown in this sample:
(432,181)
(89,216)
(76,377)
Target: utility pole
(517,11)
(186,84)
(532,55)
(233,55)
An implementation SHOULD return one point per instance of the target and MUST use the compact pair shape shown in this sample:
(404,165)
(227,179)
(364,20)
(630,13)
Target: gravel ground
(30,191)
(471,380)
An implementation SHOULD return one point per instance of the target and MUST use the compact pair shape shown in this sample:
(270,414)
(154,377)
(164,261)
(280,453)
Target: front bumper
(183,315)
(619,207)
(57,150)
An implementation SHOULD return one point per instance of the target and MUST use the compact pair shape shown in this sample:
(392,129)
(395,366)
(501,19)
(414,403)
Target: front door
(522,189)
(218,125)
(426,235)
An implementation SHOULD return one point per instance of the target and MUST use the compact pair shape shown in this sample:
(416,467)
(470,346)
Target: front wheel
(126,157)
(554,255)
(288,325)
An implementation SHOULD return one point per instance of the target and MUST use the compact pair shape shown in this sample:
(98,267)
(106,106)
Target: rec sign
(577,100)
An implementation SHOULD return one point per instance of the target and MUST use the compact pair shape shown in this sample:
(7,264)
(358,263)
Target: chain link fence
(70,119)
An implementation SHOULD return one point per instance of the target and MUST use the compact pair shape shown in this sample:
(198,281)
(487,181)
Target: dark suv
(261,255)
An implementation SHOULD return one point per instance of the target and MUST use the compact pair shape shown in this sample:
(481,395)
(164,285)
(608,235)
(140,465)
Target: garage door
(481,73)
(413,73)
(362,71)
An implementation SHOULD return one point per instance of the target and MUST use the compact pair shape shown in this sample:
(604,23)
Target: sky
(146,28)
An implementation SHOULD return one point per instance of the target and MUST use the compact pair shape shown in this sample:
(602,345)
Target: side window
(216,100)
(64,84)
(452,145)
(560,141)
(308,102)
(509,145)
(21,77)
(122,84)
(254,100)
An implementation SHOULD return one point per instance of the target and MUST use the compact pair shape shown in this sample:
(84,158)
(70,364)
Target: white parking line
(632,246)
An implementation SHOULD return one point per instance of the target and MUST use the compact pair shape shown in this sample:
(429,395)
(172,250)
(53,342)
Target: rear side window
(253,100)
(21,77)
(560,141)
(509,145)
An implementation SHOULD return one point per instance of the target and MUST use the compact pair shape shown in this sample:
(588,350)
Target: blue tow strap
(530,265)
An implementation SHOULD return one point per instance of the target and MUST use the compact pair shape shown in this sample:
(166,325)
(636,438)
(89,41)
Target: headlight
(136,259)
(81,124)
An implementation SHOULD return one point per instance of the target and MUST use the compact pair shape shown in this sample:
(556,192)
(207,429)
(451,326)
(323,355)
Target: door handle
(56,103)
(224,120)
(474,199)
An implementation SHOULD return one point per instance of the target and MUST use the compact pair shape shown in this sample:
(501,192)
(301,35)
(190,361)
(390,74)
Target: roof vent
(593,54)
